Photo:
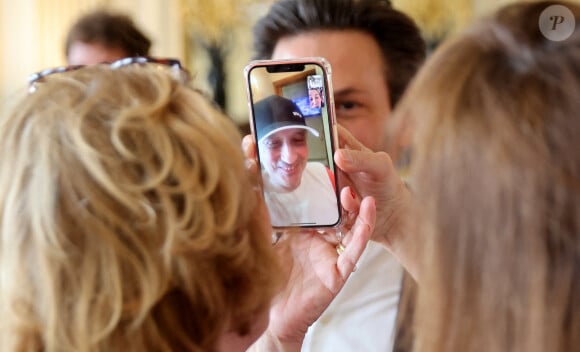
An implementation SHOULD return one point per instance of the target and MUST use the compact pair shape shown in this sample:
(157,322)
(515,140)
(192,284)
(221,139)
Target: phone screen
(292,118)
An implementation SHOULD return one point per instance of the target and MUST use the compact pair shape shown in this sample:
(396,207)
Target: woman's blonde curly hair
(128,219)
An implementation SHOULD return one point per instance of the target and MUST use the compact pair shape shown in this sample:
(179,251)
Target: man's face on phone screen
(284,155)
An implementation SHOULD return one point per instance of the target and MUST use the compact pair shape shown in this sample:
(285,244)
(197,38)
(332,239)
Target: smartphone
(293,121)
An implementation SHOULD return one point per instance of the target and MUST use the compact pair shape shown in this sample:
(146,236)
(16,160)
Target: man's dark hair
(111,30)
(397,35)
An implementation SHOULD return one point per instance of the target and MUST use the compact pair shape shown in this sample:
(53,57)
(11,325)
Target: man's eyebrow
(300,132)
(347,91)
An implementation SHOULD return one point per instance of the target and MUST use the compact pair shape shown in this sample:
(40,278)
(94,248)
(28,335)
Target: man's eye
(273,145)
(347,105)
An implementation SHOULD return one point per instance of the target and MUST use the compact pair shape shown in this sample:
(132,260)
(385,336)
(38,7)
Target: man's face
(284,155)
(81,53)
(360,90)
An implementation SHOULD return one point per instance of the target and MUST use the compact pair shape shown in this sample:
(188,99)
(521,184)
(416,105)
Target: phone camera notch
(285,68)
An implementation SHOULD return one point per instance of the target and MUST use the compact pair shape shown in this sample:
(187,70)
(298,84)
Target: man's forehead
(286,133)
(338,46)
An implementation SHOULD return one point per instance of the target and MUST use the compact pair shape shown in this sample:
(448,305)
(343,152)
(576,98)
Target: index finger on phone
(375,164)
(347,141)
(355,156)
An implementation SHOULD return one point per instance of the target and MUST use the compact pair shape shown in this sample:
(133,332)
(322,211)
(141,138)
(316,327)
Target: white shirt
(362,317)
(313,202)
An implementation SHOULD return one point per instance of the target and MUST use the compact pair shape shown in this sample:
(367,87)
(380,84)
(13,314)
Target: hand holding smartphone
(294,126)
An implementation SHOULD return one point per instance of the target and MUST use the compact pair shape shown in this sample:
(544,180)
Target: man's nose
(288,154)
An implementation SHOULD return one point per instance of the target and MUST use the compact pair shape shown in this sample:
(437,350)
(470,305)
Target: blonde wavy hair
(496,174)
(128,219)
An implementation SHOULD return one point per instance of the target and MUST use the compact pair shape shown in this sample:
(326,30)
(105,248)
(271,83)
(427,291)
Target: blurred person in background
(104,36)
